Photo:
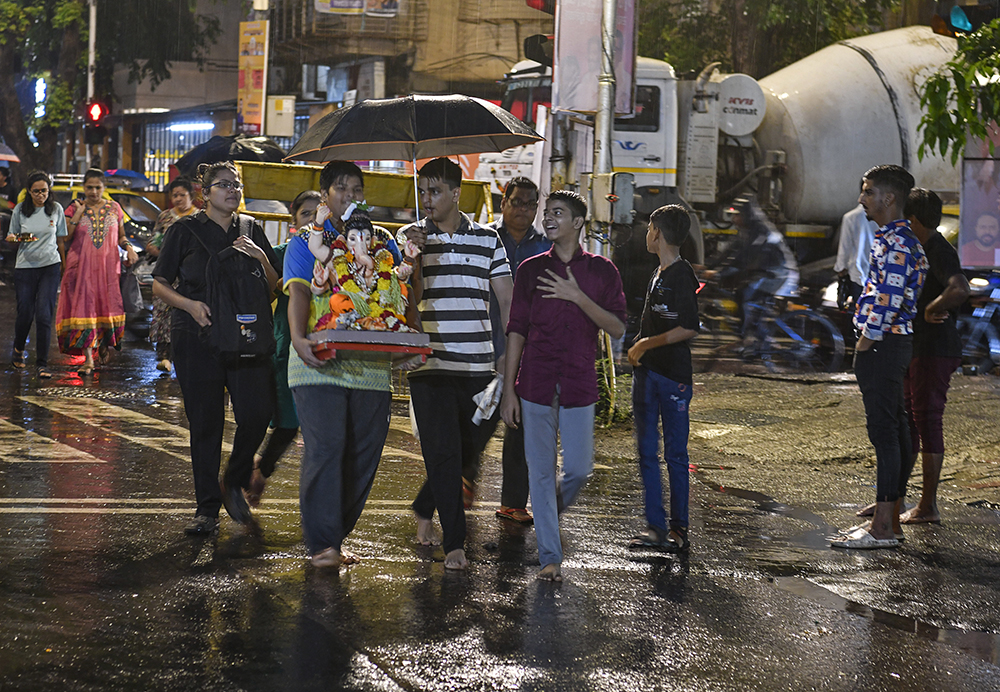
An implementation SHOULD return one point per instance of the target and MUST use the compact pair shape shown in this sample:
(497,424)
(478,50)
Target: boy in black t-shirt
(661,385)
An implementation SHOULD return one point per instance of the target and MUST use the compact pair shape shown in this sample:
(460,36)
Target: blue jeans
(37,291)
(657,397)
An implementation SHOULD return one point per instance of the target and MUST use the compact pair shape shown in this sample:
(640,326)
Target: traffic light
(953,19)
(93,114)
(96,110)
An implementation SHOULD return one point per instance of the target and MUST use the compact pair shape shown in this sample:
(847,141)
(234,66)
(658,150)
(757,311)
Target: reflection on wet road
(103,591)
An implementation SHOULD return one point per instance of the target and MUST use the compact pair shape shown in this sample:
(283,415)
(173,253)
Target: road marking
(388,451)
(710,432)
(22,446)
(109,418)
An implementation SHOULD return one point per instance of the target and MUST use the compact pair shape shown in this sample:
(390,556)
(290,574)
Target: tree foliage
(48,39)
(170,32)
(962,100)
(755,37)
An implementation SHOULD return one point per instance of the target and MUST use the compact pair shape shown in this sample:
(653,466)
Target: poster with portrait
(382,8)
(979,220)
(251,89)
(340,6)
(577,60)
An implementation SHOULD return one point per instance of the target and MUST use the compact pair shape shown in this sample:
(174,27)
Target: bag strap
(246,224)
(197,237)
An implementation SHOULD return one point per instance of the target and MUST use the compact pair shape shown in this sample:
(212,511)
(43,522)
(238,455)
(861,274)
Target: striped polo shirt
(455,305)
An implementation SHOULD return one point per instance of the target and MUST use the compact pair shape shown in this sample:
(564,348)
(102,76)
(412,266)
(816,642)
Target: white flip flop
(862,540)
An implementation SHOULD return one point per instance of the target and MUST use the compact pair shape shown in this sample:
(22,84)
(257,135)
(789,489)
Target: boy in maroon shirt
(562,299)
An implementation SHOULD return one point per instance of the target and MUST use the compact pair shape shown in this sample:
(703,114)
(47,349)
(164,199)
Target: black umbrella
(411,128)
(230,148)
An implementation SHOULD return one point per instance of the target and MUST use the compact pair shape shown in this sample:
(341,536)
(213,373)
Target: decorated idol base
(329,341)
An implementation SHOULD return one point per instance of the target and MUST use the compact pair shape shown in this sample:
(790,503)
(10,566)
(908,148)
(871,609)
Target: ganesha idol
(366,289)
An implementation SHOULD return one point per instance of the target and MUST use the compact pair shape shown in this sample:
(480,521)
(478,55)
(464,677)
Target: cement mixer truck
(799,138)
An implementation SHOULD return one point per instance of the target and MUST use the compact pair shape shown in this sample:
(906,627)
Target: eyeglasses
(231,185)
(521,204)
(43,191)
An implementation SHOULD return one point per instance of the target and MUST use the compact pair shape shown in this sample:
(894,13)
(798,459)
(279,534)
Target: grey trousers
(551,494)
(344,431)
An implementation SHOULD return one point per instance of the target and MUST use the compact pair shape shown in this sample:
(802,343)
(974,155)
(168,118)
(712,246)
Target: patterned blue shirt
(898,267)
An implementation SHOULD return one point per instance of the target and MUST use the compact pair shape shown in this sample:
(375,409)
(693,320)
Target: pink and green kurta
(90,299)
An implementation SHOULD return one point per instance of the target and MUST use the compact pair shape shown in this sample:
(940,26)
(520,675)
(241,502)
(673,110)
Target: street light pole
(604,119)
(91,49)
(94,152)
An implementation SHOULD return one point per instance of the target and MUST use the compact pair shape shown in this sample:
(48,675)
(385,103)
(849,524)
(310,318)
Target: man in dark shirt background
(522,240)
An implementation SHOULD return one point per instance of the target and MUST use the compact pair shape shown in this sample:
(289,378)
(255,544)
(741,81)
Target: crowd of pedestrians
(507,307)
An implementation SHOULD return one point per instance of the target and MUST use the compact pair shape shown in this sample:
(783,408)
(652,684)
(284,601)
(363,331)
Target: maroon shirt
(560,345)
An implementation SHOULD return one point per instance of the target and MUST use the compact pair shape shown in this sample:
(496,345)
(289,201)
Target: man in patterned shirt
(884,320)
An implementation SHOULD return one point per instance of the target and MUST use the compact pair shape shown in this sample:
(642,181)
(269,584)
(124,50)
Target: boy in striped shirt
(460,261)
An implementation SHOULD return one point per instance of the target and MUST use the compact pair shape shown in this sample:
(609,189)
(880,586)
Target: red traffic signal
(95,112)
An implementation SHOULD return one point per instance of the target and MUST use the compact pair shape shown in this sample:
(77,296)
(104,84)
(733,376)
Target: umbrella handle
(416,194)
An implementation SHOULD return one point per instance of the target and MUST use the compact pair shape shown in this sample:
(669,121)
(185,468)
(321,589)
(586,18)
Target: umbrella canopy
(7,154)
(230,148)
(131,178)
(410,128)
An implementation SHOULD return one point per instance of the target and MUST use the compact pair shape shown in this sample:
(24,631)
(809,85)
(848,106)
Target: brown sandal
(17,360)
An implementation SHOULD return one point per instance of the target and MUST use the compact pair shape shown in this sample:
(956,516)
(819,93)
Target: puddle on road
(769,504)
(982,645)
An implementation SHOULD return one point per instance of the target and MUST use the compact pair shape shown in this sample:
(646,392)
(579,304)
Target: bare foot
(456,560)
(327,558)
(551,572)
(866,511)
(917,515)
(348,558)
(426,535)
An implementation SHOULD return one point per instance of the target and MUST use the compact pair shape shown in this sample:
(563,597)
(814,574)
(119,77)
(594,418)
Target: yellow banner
(252,88)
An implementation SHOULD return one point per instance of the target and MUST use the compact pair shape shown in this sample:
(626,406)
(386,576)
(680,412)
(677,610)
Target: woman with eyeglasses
(91,314)
(202,375)
(39,225)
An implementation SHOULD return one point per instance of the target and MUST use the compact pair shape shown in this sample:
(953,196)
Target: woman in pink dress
(90,313)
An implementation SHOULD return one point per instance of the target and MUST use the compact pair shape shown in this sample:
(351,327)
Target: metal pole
(94,152)
(559,156)
(91,49)
(604,120)
(603,125)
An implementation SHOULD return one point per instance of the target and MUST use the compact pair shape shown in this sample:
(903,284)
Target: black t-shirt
(937,339)
(670,302)
(184,259)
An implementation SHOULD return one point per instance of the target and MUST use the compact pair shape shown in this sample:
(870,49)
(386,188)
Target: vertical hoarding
(979,215)
(252,88)
(577,61)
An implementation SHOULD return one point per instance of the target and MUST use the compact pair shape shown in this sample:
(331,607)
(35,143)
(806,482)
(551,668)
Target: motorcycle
(980,330)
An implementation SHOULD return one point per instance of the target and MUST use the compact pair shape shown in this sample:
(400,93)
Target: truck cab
(645,144)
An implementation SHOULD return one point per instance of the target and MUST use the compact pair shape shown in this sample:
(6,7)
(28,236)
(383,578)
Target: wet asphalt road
(101,590)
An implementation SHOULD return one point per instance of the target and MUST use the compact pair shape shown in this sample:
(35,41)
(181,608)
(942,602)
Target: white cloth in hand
(488,400)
